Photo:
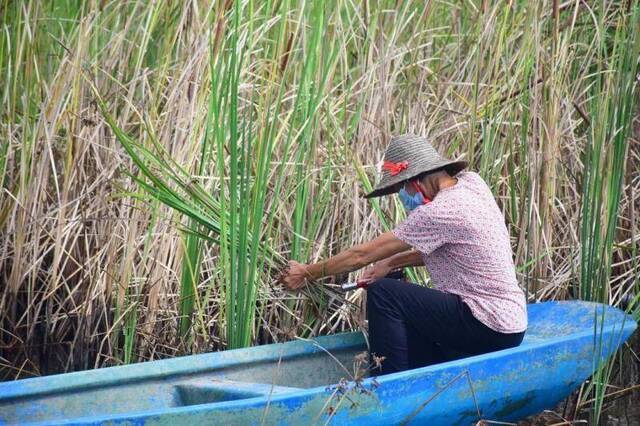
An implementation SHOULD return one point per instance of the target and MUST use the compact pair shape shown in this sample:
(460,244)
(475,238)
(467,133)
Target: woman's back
(465,246)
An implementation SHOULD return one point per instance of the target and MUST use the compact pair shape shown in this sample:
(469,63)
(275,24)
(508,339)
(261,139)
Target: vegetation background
(160,160)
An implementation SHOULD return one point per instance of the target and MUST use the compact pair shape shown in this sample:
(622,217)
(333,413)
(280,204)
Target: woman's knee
(380,286)
(380,290)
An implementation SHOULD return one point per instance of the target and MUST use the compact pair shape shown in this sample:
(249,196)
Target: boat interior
(245,380)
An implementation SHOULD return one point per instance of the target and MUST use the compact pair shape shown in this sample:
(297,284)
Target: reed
(161,160)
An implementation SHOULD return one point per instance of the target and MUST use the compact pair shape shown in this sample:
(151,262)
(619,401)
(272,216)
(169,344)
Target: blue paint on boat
(302,382)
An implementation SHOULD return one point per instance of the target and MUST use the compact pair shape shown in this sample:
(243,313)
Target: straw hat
(406,157)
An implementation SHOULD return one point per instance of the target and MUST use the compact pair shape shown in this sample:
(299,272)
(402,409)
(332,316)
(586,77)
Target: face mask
(410,202)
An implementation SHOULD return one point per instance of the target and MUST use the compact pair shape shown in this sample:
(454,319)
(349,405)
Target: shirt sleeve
(426,228)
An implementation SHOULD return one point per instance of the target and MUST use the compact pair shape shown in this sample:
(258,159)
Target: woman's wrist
(308,276)
(317,270)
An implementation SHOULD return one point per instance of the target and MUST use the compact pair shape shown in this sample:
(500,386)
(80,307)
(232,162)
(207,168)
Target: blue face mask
(410,202)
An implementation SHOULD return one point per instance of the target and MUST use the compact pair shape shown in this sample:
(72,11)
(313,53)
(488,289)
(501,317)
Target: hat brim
(452,168)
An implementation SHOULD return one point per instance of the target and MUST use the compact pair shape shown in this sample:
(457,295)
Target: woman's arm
(404,259)
(356,257)
(383,267)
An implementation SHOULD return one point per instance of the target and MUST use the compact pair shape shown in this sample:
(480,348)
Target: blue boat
(315,381)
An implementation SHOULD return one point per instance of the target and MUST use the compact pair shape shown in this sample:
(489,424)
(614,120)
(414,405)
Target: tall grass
(612,104)
(161,160)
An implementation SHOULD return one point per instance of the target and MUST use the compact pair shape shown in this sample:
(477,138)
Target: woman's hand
(294,276)
(376,271)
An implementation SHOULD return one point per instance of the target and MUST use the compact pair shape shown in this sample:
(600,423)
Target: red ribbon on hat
(395,168)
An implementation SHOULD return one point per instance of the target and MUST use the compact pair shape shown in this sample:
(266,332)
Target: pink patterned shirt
(465,246)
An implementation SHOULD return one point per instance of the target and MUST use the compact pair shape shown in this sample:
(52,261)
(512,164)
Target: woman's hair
(423,174)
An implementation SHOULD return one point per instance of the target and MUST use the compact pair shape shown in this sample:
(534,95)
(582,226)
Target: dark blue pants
(413,326)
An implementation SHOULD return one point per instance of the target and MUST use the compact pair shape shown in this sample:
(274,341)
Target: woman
(454,228)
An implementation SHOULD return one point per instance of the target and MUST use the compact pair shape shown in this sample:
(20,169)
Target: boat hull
(295,382)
